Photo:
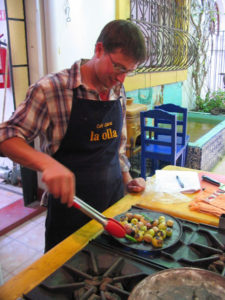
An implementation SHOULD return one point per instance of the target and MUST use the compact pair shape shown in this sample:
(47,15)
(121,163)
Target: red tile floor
(21,232)
(12,209)
(21,246)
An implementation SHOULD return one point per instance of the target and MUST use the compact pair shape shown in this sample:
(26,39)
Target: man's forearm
(19,151)
(126,177)
(59,180)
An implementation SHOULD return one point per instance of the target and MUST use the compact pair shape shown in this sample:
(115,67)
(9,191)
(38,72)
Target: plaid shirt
(47,108)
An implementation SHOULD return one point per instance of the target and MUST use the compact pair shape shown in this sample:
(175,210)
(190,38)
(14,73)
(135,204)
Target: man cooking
(79,114)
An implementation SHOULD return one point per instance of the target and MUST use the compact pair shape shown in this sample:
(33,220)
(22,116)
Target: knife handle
(210,180)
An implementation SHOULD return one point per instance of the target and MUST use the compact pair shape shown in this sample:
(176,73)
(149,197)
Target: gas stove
(94,273)
(107,269)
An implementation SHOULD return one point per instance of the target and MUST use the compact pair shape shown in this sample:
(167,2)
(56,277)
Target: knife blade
(221,186)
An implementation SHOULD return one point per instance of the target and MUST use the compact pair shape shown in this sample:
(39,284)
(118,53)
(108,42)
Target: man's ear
(99,49)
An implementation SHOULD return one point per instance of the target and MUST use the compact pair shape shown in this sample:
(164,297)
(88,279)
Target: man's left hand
(136,185)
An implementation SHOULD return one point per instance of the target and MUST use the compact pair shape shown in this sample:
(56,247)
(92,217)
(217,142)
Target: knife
(215,182)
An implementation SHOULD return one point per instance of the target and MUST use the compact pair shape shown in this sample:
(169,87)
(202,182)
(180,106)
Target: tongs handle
(89,211)
(111,225)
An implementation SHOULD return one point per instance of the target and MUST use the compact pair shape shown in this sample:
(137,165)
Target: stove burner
(101,283)
(90,275)
(218,266)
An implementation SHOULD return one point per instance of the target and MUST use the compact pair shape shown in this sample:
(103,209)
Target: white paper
(166,181)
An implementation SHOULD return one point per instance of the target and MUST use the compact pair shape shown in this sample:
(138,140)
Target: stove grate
(93,273)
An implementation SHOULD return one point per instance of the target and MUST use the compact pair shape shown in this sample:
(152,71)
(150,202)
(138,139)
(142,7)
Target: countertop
(56,257)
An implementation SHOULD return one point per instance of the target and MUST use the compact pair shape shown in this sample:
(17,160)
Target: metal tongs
(111,225)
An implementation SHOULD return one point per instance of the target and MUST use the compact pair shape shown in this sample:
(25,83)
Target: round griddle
(181,284)
(142,246)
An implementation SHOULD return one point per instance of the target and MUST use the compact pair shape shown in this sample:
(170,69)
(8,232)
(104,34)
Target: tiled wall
(207,156)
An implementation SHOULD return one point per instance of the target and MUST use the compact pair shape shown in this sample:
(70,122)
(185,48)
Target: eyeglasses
(118,68)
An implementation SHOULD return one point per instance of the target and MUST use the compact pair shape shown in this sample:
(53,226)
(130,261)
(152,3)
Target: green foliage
(203,16)
(212,101)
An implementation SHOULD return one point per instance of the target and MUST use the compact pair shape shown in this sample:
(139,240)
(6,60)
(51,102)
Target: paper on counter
(166,181)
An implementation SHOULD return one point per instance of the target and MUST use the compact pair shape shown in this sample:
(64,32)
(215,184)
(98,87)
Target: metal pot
(182,284)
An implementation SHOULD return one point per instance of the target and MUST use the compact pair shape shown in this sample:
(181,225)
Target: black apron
(90,150)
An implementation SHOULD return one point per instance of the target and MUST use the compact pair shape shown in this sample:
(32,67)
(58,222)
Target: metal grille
(165,28)
(216,74)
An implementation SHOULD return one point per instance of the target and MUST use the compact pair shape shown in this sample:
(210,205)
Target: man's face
(112,68)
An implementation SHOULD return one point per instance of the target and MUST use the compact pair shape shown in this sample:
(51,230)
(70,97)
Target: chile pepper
(130,238)
(147,218)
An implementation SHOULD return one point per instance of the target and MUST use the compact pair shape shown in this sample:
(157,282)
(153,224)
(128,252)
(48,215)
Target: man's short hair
(125,35)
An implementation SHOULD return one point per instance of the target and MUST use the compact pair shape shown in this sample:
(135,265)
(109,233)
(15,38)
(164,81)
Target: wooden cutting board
(181,210)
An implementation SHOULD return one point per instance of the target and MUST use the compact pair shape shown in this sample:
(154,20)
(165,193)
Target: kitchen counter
(52,260)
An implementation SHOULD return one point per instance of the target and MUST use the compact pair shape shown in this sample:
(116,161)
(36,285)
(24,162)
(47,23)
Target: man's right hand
(60,182)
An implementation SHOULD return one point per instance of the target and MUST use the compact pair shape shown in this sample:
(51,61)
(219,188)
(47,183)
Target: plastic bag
(156,193)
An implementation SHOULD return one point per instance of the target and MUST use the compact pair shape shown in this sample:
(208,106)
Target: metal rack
(165,27)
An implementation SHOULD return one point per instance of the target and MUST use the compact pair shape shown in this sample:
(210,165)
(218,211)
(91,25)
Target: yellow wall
(122,9)
(149,79)
(142,81)
(18,49)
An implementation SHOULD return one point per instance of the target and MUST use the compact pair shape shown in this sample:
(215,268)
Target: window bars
(164,25)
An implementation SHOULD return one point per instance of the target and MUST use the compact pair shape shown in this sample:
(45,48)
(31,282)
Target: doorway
(18,185)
